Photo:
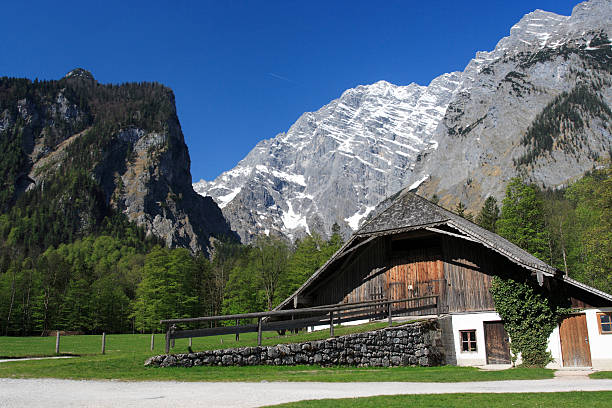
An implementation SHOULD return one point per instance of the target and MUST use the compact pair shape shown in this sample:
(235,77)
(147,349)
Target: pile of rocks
(411,344)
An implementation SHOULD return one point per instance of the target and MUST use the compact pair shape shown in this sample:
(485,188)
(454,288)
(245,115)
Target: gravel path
(68,393)
(8,360)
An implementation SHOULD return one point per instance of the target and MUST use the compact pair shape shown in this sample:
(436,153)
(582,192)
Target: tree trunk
(10,311)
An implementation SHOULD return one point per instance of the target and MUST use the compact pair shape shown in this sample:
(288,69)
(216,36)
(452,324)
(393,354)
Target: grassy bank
(602,375)
(539,400)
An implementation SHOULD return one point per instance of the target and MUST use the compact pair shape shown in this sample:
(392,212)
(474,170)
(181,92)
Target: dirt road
(53,393)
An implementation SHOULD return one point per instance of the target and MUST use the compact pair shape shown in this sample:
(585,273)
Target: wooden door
(496,343)
(575,348)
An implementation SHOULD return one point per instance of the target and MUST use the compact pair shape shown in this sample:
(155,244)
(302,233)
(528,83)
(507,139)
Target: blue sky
(243,71)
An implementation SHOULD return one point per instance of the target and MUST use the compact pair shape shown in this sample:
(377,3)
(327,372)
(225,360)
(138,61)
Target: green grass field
(602,375)
(539,400)
(126,353)
(82,345)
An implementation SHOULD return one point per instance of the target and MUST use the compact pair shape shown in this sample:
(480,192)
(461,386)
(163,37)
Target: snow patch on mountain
(356,218)
(417,183)
(292,221)
(224,199)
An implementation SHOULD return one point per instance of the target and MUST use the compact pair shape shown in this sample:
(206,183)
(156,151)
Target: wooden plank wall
(361,278)
(468,270)
(459,271)
(378,273)
(413,273)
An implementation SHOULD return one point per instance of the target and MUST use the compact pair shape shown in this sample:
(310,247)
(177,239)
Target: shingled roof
(409,212)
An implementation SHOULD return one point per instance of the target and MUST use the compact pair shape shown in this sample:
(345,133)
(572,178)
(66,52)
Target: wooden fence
(299,318)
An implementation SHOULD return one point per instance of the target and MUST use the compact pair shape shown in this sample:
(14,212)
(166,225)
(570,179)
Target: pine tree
(460,209)
(522,218)
(166,290)
(489,214)
(272,255)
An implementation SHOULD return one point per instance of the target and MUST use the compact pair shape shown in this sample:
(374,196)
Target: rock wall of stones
(407,345)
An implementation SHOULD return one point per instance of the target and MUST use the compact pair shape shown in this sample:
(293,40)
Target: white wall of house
(472,321)
(554,347)
(600,344)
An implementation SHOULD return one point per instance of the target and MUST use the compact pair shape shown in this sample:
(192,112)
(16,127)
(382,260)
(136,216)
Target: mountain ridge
(288,164)
(458,138)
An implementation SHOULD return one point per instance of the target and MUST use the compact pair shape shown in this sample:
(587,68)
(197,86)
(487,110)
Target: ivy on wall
(529,318)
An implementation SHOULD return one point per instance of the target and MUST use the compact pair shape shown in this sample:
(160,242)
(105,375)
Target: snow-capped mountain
(333,165)
(462,137)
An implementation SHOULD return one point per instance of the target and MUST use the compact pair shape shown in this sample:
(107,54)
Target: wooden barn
(415,248)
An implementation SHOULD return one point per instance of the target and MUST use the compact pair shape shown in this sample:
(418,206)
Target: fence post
(331,324)
(190,342)
(57,342)
(103,343)
(389,312)
(168,341)
(172,341)
(152,341)
(259,331)
(237,334)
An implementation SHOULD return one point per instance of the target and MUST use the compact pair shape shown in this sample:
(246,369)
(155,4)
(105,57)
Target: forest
(105,283)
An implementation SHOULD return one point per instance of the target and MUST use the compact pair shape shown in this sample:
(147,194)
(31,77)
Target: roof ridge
(397,201)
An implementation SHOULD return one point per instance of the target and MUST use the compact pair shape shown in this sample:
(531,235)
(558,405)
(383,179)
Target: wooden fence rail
(314,316)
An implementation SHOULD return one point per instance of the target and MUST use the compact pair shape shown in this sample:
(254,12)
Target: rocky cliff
(537,106)
(126,138)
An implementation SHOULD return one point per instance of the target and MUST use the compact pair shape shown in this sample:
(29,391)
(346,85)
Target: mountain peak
(80,73)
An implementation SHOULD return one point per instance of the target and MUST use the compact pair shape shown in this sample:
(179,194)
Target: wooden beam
(317,309)
(329,318)
(439,231)
(540,278)
(301,300)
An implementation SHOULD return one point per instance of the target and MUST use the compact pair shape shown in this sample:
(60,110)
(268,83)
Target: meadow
(126,353)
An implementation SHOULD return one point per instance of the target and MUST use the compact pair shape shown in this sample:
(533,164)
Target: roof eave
(535,268)
(587,288)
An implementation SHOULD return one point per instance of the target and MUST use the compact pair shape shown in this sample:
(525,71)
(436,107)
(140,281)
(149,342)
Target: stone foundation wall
(408,345)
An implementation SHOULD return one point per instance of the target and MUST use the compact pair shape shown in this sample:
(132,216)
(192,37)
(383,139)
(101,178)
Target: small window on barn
(468,340)
(605,323)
